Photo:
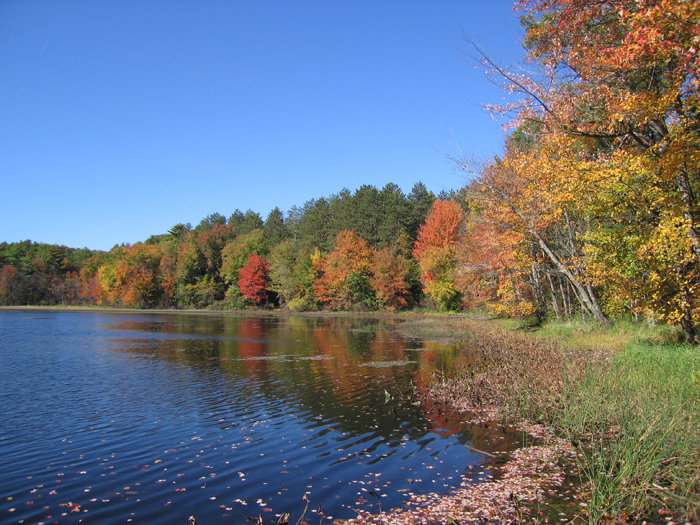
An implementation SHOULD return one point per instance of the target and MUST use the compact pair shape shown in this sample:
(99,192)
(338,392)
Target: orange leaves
(344,271)
(132,277)
(603,169)
(441,228)
(390,273)
(356,276)
(435,250)
(620,52)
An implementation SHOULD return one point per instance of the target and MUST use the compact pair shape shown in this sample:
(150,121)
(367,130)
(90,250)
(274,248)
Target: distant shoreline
(247,312)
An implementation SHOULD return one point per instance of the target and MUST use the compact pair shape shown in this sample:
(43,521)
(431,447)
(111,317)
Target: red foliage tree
(253,279)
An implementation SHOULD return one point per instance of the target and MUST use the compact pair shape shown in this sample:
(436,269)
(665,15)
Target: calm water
(149,418)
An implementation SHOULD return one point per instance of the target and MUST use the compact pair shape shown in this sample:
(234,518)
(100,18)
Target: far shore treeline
(593,210)
(352,251)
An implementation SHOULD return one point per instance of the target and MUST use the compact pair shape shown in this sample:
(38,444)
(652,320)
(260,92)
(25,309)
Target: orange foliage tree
(389,280)
(435,252)
(611,167)
(131,278)
(345,274)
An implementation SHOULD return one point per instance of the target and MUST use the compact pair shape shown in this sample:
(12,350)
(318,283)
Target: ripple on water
(111,417)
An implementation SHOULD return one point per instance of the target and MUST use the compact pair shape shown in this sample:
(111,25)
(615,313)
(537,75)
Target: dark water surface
(150,418)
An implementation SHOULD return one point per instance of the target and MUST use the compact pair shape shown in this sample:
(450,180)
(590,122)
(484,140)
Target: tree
(131,277)
(208,222)
(179,231)
(11,285)
(435,252)
(253,280)
(274,229)
(393,218)
(345,274)
(366,212)
(243,223)
(419,202)
(535,192)
(314,230)
(211,242)
(282,259)
(235,256)
(389,280)
(442,227)
(493,265)
(621,91)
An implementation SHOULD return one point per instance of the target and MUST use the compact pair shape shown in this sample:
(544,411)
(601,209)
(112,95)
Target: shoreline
(244,313)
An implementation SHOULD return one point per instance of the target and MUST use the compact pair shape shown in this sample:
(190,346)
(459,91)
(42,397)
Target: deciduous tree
(253,280)
(435,252)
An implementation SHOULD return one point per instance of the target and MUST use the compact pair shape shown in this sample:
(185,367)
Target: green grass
(638,424)
(577,334)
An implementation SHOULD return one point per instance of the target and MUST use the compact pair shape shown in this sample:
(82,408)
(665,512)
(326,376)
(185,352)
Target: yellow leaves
(513,298)
(437,274)
(316,259)
(673,278)
(669,245)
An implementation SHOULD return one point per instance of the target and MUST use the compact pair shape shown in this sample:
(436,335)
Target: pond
(153,417)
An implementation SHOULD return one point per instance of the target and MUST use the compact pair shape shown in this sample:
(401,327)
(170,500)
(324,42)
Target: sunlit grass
(636,416)
(575,333)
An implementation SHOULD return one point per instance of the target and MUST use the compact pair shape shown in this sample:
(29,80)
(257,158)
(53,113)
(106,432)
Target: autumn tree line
(350,251)
(592,210)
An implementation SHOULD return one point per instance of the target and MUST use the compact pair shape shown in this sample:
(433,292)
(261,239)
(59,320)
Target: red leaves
(253,279)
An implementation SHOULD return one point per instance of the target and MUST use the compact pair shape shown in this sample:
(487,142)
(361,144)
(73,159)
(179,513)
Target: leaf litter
(515,491)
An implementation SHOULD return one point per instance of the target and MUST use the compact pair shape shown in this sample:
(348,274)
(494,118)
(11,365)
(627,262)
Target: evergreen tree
(274,229)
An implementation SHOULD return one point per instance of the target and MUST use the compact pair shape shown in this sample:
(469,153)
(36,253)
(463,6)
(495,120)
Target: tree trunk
(566,299)
(586,296)
(690,212)
(687,323)
(555,305)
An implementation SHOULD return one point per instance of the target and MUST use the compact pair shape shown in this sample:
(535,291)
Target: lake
(153,417)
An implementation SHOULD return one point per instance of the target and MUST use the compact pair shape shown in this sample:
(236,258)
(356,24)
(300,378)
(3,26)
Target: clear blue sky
(120,119)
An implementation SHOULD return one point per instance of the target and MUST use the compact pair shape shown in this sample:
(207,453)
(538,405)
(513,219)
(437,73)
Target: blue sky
(119,119)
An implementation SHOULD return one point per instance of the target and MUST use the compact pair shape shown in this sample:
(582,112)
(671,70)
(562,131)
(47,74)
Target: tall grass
(638,424)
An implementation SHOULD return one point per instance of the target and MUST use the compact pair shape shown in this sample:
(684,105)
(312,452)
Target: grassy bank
(627,397)
(638,421)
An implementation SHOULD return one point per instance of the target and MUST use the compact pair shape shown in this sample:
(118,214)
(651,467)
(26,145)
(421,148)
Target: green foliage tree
(274,229)
(243,223)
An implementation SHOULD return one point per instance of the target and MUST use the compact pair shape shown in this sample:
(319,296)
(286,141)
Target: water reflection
(235,416)
(332,366)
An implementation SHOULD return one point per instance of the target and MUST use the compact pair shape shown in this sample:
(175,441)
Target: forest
(591,211)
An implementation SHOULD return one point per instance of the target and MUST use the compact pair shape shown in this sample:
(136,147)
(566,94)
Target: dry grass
(519,376)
